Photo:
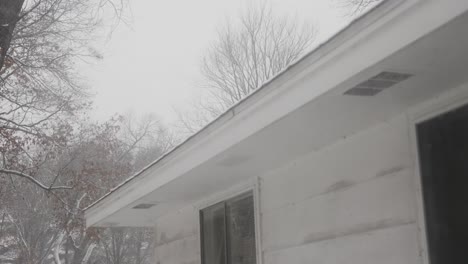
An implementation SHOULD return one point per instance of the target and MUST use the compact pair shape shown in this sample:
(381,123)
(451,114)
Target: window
(228,232)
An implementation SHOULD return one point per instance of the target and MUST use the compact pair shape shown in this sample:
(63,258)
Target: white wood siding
(177,239)
(352,202)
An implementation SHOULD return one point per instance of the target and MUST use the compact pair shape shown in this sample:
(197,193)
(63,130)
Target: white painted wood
(177,238)
(378,203)
(180,224)
(438,105)
(226,194)
(356,201)
(258,221)
(352,202)
(376,151)
(363,184)
(418,193)
(182,251)
(386,246)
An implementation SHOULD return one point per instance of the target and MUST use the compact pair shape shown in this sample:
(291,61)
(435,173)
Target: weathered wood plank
(384,246)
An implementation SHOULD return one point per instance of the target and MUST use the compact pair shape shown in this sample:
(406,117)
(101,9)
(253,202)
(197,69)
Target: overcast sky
(153,65)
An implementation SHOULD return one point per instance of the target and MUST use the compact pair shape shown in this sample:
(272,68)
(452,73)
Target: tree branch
(33,180)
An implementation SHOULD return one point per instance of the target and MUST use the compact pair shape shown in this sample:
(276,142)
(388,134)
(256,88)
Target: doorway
(443,154)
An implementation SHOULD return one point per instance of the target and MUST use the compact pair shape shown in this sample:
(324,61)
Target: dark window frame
(248,193)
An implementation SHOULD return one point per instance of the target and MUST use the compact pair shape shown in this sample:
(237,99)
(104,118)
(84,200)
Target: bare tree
(45,137)
(143,133)
(246,54)
(30,230)
(37,229)
(17,12)
(356,7)
(41,94)
(124,245)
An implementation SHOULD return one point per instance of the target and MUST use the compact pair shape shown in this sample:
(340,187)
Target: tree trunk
(9,16)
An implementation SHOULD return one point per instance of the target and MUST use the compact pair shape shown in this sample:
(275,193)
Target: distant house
(357,153)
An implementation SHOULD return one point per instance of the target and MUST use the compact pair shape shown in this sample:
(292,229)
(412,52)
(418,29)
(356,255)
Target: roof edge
(300,66)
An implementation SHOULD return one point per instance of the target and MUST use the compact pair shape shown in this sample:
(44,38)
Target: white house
(357,153)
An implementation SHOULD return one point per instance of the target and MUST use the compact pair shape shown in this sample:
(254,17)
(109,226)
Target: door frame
(436,106)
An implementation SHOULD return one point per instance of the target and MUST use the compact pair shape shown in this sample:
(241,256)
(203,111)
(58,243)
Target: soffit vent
(378,83)
(144,206)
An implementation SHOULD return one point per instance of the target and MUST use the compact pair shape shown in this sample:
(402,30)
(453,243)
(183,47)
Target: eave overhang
(189,172)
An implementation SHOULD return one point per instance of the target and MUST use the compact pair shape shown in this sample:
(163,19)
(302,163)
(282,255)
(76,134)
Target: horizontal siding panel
(396,245)
(177,225)
(379,150)
(377,203)
(182,251)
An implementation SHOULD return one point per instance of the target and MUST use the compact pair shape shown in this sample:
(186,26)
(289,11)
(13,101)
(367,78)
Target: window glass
(241,230)
(228,232)
(214,234)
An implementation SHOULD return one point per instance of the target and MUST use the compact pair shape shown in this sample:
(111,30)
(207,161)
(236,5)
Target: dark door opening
(443,152)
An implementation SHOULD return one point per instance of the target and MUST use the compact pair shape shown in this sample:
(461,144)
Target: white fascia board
(385,30)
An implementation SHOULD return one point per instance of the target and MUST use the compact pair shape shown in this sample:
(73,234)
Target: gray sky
(153,66)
